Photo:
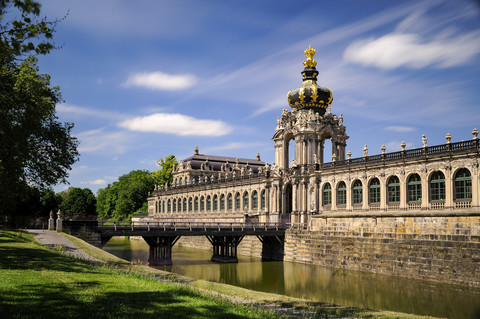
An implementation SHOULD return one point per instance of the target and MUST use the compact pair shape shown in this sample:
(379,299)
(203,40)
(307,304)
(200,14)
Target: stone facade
(405,202)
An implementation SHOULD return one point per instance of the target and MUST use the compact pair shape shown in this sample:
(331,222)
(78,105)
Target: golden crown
(310,61)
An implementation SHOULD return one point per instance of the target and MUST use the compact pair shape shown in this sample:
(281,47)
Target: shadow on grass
(76,301)
(17,252)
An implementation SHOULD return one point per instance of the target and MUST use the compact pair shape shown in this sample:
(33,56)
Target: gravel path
(52,240)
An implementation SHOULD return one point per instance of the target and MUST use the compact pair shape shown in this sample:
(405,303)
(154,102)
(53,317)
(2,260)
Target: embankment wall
(439,248)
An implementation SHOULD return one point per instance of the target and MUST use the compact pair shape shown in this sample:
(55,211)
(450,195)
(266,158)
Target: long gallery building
(412,213)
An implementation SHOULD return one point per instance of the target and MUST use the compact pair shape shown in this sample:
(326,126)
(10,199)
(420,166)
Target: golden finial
(196,150)
(258,156)
(310,61)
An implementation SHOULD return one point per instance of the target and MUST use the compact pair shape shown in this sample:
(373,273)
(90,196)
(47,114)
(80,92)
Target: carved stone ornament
(424,140)
(448,137)
(475,133)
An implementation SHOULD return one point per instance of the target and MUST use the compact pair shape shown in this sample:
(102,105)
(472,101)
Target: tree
(79,203)
(50,202)
(35,148)
(125,197)
(24,35)
(164,176)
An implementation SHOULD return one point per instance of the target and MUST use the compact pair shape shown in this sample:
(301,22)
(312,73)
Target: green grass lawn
(38,283)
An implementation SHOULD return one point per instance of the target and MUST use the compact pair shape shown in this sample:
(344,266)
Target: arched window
(222,202)
(156,207)
(184,205)
(262,200)
(229,201)
(463,185)
(254,200)
(215,202)
(327,195)
(202,204)
(245,201)
(437,187)
(357,192)
(190,202)
(237,201)
(342,193)
(393,190)
(209,203)
(374,191)
(174,205)
(180,182)
(196,179)
(169,206)
(414,188)
(163,207)
(195,204)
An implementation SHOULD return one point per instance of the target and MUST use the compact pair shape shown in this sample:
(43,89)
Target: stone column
(349,205)
(294,198)
(341,151)
(334,148)
(316,196)
(475,187)
(365,194)
(320,151)
(267,204)
(334,197)
(279,153)
(305,210)
(383,193)
(403,193)
(425,194)
(449,189)
(51,222)
(59,222)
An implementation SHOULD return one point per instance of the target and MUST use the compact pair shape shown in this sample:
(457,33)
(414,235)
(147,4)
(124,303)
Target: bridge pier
(160,249)
(225,248)
(272,247)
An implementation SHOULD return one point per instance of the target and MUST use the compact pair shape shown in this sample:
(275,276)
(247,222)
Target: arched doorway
(288,204)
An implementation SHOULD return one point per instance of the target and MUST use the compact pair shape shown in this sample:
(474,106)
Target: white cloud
(395,146)
(161,81)
(178,124)
(232,146)
(99,181)
(103,142)
(410,50)
(65,108)
(400,128)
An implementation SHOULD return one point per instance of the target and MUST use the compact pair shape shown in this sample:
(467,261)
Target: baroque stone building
(298,190)
(412,213)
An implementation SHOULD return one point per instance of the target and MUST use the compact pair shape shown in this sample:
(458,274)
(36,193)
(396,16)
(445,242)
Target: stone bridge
(162,236)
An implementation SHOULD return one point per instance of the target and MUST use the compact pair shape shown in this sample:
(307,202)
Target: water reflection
(317,283)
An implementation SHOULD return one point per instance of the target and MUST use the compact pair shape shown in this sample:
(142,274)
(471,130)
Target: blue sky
(145,79)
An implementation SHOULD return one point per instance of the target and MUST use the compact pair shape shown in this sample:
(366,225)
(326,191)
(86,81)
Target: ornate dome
(310,95)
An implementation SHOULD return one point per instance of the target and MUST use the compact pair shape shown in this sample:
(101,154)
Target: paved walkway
(50,239)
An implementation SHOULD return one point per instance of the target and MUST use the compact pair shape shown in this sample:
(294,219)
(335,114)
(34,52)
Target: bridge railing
(189,226)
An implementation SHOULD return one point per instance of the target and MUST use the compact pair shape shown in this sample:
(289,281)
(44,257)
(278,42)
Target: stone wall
(85,230)
(439,248)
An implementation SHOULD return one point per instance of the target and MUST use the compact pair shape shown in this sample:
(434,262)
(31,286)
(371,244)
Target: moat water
(316,283)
